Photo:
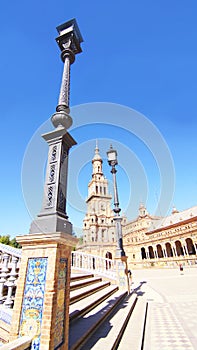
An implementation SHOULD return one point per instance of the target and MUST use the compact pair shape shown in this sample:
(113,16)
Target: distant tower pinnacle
(97,163)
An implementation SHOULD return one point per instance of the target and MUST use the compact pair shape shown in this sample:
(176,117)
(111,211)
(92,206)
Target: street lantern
(112,156)
(69,33)
(112,161)
(69,41)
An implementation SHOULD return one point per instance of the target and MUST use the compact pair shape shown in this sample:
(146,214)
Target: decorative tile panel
(33,300)
(61,303)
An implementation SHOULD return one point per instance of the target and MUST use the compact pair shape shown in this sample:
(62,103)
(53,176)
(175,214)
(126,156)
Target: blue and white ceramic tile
(33,300)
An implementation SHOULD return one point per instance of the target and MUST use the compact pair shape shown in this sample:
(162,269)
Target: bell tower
(98,223)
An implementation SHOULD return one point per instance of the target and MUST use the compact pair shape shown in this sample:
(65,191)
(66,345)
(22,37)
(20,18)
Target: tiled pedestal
(41,308)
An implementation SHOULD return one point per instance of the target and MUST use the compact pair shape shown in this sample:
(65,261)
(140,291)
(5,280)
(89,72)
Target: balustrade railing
(10,262)
(9,271)
(94,264)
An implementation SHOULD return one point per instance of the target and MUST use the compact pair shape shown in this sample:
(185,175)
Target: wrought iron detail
(50,196)
(52,173)
(54,153)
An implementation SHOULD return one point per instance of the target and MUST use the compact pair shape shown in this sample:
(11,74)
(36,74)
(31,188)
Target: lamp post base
(51,223)
(122,273)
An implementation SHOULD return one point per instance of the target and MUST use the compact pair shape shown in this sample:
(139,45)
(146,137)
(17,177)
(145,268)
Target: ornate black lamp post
(53,216)
(47,250)
(112,161)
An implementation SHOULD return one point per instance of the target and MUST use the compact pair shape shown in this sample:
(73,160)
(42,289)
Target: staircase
(102,317)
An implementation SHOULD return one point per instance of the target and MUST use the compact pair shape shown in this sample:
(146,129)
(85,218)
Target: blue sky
(137,54)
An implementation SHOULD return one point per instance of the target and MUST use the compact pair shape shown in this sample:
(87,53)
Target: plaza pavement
(171,322)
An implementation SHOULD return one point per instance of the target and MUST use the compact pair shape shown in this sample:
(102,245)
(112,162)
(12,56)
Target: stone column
(195,249)
(155,253)
(185,251)
(174,250)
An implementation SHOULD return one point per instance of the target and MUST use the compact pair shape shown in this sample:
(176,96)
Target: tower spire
(97,162)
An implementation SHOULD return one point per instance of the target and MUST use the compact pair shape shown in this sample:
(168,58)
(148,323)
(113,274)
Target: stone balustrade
(9,271)
(94,264)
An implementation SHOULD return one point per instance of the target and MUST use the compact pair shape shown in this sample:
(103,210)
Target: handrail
(94,264)
(9,271)
(10,250)
(22,343)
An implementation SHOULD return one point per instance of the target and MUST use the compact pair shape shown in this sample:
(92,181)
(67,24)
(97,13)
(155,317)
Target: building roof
(174,219)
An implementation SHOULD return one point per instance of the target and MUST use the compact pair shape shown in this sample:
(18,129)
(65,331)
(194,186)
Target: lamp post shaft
(116,200)
(68,58)
(112,160)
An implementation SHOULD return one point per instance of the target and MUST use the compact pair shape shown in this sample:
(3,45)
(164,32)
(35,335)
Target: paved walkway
(172,308)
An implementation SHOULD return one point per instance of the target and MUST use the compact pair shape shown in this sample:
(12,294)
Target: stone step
(79,294)
(80,276)
(133,334)
(109,334)
(84,282)
(84,327)
(82,307)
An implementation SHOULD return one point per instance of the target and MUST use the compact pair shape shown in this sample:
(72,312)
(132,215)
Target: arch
(143,253)
(108,255)
(179,248)
(159,251)
(151,252)
(93,263)
(190,246)
(169,250)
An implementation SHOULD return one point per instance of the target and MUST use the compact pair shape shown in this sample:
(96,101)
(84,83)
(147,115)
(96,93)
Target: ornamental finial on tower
(97,161)
(142,210)
(97,155)
(174,210)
